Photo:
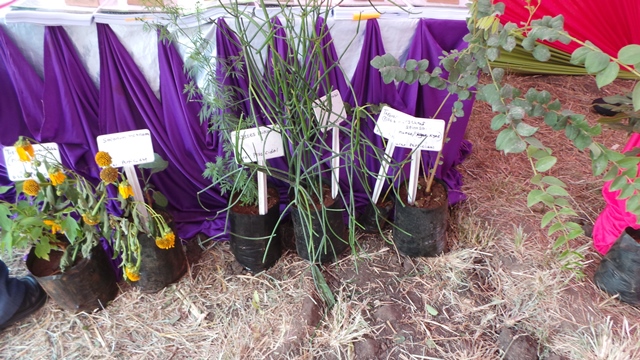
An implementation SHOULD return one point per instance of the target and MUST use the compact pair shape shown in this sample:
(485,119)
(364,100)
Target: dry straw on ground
(499,273)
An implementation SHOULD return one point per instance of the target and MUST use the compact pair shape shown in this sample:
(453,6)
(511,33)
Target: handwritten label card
(17,169)
(333,117)
(259,143)
(127,148)
(410,132)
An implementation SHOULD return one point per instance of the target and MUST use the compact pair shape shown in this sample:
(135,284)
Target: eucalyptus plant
(514,110)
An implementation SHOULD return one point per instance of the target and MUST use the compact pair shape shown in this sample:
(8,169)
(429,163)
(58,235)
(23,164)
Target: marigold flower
(109,175)
(24,149)
(55,227)
(131,273)
(125,190)
(57,177)
(103,159)
(167,241)
(31,187)
(90,220)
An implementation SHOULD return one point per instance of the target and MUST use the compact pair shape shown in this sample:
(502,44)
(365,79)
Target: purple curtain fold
(70,104)
(21,111)
(428,43)
(127,103)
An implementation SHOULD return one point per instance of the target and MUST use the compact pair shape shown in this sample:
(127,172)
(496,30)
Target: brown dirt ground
(499,278)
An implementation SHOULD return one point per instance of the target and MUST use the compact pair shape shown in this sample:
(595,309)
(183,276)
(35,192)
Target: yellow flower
(57,177)
(31,187)
(166,242)
(24,149)
(103,159)
(109,175)
(55,227)
(90,220)
(125,190)
(131,273)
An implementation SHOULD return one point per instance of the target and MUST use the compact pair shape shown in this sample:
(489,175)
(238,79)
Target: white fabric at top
(141,44)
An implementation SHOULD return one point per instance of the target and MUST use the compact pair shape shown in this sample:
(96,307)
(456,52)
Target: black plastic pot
(619,270)
(374,219)
(159,267)
(420,232)
(88,285)
(319,238)
(253,239)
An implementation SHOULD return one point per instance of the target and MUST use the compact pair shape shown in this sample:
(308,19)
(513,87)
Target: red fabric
(610,25)
(614,218)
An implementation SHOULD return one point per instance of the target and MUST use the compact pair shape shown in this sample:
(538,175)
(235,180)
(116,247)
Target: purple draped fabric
(70,104)
(428,43)
(20,101)
(127,103)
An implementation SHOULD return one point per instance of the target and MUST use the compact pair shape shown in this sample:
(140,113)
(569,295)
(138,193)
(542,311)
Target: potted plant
(143,236)
(254,239)
(62,217)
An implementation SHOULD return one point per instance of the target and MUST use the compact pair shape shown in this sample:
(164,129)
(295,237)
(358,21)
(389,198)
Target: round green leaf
(596,62)
(629,54)
(541,53)
(606,76)
(525,130)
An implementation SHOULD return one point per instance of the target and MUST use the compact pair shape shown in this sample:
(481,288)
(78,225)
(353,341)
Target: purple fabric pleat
(188,148)
(70,104)
(20,102)
(128,103)
(428,43)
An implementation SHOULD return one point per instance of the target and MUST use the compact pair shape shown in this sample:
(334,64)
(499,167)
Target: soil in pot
(375,218)
(90,284)
(420,230)
(320,234)
(254,240)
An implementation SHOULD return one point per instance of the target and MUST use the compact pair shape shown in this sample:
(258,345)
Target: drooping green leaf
(377,62)
(536,180)
(4,189)
(596,62)
(160,199)
(557,191)
(628,162)
(599,165)
(582,141)
(627,191)
(509,142)
(606,76)
(629,54)
(611,174)
(618,183)
(411,65)
(545,163)
(555,227)
(560,241)
(158,164)
(551,118)
(633,204)
(323,288)
(552,180)
(635,96)
(546,219)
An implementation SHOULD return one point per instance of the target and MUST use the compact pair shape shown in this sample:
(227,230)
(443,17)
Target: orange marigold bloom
(31,187)
(167,241)
(131,273)
(90,220)
(24,149)
(109,175)
(57,177)
(55,227)
(125,190)
(103,159)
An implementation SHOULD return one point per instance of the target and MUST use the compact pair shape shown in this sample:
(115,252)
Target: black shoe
(34,298)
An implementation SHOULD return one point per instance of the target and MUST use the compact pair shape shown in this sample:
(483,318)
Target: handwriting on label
(409,131)
(127,148)
(263,142)
(45,153)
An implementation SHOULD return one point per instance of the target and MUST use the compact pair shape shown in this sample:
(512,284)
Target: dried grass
(500,271)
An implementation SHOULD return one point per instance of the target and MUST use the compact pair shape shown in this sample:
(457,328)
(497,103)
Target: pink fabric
(614,218)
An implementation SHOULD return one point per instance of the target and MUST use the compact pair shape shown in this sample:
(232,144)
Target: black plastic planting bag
(619,271)
(374,219)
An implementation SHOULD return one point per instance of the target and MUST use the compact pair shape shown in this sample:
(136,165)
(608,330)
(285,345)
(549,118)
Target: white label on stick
(333,117)
(260,142)
(17,169)
(127,148)
(410,132)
